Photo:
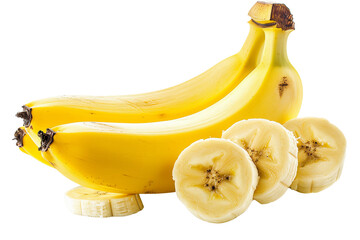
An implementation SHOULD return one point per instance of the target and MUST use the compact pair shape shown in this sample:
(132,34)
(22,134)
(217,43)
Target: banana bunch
(105,155)
(175,102)
(117,147)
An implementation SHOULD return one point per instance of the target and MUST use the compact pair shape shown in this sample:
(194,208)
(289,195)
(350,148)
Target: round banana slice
(321,153)
(273,150)
(89,202)
(215,179)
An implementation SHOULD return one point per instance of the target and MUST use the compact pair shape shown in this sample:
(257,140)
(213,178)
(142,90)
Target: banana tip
(25,115)
(19,136)
(46,139)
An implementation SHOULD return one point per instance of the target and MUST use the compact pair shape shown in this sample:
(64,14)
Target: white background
(51,48)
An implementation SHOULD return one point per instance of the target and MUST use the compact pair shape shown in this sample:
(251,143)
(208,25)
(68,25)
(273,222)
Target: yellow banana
(139,157)
(175,102)
(26,145)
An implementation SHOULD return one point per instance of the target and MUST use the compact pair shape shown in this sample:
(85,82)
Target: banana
(171,103)
(273,150)
(26,145)
(139,157)
(215,179)
(321,153)
(93,203)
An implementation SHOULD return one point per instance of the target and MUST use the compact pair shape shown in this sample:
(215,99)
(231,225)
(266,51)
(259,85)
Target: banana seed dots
(309,148)
(254,154)
(214,178)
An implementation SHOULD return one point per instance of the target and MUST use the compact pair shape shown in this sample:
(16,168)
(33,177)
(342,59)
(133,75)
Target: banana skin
(139,157)
(171,103)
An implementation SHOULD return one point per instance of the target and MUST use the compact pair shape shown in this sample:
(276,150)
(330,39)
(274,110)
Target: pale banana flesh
(139,157)
(261,11)
(171,103)
(273,150)
(321,153)
(93,203)
(215,179)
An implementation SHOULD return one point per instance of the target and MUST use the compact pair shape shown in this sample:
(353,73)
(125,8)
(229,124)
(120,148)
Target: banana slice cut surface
(273,150)
(215,179)
(88,202)
(321,153)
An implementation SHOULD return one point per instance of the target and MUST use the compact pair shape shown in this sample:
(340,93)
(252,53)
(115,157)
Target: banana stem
(25,115)
(46,139)
(19,137)
(250,50)
(275,49)
(277,13)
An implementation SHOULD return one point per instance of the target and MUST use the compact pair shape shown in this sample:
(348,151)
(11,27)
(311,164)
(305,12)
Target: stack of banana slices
(220,140)
(258,159)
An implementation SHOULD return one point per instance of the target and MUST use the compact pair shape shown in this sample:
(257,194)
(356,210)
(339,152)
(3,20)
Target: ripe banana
(139,157)
(93,203)
(26,145)
(273,150)
(215,179)
(321,153)
(171,103)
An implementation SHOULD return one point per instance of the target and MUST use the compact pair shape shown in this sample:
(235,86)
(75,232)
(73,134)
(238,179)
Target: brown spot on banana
(283,85)
(101,193)
(147,186)
(52,164)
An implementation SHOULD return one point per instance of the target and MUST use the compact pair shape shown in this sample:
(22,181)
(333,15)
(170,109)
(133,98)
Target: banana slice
(321,153)
(215,179)
(93,203)
(273,150)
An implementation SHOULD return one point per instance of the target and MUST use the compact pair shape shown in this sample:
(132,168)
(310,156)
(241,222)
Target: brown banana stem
(46,139)
(25,115)
(19,137)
